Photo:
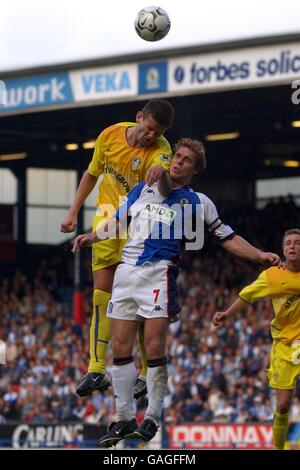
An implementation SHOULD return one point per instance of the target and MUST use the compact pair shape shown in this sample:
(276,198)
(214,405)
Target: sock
(157,379)
(280,425)
(99,332)
(124,377)
(143,373)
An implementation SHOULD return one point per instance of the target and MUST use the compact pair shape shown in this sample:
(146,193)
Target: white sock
(124,378)
(157,379)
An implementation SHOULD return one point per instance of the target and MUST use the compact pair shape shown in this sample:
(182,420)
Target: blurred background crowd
(214,375)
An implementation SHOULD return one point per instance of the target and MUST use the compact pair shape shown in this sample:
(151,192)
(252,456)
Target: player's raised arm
(220,317)
(243,249)
(165,184)
(109,229)
(85,187)
(153,174)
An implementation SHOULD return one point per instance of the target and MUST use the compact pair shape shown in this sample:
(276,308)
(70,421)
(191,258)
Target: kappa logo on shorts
(110,307)
(157,308)
(276,376)
(136,163)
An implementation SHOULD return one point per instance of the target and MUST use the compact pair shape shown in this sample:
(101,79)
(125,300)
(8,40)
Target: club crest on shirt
(183,201)
(165,158)
(136,163)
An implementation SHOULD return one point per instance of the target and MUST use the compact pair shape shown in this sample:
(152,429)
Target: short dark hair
(291,231)
(197,147)
(161,111)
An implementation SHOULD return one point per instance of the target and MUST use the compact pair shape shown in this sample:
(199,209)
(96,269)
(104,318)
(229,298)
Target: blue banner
(153,77)
(38,91)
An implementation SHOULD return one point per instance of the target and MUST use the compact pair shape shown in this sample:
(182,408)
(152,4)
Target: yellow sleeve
(96,166)
(162,156)
(257,290)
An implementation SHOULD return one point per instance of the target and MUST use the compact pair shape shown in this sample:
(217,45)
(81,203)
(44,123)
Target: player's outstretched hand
(81,241)
(69,224)
(219,319)
(271,259)
(153,174)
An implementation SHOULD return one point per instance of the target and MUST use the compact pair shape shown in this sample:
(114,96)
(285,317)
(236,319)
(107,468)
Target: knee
(283,407)
(155,348)
(120,346)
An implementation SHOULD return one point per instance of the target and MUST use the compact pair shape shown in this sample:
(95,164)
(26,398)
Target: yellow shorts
(284,365)
(105,253)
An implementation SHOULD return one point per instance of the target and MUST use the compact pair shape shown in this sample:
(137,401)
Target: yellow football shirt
(283,287)
(122,166)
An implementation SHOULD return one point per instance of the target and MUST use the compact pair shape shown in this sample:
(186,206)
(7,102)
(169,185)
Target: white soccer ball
(152,23)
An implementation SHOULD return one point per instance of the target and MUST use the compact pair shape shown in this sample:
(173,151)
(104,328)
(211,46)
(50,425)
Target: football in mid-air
(152,23)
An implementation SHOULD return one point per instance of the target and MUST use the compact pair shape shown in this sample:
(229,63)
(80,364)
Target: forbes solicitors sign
(255,66)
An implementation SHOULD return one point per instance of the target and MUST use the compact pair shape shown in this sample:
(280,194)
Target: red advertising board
(220,436)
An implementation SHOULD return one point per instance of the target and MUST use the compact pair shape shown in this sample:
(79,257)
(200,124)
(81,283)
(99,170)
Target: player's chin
(147,142)
(175,176)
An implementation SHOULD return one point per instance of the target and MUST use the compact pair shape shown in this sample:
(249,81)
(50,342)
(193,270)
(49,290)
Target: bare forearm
(241,248)
(85,187)
(110,229)
(220,317)
(165,184)
(235,308)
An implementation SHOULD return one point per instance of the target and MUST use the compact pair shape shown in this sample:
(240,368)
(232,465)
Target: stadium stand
(215,376)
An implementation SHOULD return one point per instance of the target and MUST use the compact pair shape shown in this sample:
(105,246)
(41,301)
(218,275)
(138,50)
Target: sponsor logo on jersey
(290,300)
(136,163)
(158,213)
(120,178)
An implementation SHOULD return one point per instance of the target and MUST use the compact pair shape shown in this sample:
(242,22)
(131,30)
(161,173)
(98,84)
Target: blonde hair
(195,146)
(291,231)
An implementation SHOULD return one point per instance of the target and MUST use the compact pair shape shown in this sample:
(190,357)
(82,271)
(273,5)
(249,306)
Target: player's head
(153,120)
(291,245)
(188,160)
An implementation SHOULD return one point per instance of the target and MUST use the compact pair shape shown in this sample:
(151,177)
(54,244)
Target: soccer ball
(152,23)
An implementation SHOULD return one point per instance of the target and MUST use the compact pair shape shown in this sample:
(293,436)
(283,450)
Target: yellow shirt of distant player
(283,287)
(122,166)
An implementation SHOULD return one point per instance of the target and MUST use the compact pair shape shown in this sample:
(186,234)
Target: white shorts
(148,291)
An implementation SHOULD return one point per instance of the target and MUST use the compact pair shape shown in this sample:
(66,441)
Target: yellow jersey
(283,287)
(122,166)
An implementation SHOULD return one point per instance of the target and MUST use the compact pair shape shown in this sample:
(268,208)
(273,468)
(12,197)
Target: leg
(123,371)
(157,376)
(97,378)
(124,377)
(281,417)
(141,387)
(143,372)
(100,327)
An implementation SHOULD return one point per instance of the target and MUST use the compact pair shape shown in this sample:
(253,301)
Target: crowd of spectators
(214,375)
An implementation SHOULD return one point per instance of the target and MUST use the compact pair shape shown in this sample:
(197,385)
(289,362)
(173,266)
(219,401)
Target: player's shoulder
(116,127)
(274,272)
(186,195)
(203,199)
(163,144)
(275,269)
